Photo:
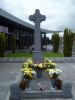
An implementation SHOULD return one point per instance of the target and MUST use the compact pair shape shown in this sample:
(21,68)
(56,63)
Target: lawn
(28,54)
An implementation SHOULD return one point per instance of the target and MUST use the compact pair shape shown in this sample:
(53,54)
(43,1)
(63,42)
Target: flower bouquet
(27,73)
(28,63)
(39,67)
(49,64)
(53,73)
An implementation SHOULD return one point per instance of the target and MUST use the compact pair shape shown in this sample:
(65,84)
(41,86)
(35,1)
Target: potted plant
(28,63)
(23,84)
(39,67)
(58,83)
(53,75)
(27,73)
(49,64)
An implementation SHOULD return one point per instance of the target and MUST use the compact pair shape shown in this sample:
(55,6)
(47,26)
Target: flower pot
(53,80)
(39,73)
(28,84)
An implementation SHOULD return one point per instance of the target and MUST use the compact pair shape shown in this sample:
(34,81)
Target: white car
(49,47)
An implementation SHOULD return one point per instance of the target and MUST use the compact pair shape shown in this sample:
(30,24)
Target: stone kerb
(67,88)
(15,89)
(17,94)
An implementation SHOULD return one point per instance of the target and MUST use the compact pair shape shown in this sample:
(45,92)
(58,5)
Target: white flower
(48,65)
(40,64)
(33,72)
(52,71)
(58,70)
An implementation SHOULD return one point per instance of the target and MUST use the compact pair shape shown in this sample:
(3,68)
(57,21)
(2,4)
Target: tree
(55,41)
(13,43)
(2,44)
(68,42)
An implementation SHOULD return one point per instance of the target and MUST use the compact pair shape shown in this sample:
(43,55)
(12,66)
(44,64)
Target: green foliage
(13,43)
(67,42)
(2,44)
(55,42)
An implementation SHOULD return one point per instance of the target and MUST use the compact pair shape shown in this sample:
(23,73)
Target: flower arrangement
(53,73)
(27,70)
(28,73)
(58,83)
(23,84)
(39,66)
(49,64)
(40,87)
(28,63)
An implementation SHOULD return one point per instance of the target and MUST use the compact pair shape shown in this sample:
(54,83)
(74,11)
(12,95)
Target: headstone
(14,92)
(37,18)
(67,89)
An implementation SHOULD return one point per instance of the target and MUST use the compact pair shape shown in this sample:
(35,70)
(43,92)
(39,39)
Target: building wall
(24,37)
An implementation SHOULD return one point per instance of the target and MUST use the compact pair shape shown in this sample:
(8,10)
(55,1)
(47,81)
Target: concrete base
(41,94)
(37,56)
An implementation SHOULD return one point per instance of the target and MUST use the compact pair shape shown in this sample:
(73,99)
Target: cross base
(37,56)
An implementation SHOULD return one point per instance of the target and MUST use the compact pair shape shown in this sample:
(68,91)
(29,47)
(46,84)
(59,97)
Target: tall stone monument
(37,18)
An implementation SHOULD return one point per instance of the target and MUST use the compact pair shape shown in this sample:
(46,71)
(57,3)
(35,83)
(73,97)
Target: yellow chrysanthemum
(26,69)
(51,76)
(35,65)
(47,69)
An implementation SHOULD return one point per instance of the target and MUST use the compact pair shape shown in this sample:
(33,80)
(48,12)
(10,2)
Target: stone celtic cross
(37,18)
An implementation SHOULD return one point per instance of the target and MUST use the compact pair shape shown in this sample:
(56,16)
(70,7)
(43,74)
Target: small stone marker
(14,92)
(67,89)
(37,18)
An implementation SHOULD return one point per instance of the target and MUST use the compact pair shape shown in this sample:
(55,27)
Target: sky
(60,14)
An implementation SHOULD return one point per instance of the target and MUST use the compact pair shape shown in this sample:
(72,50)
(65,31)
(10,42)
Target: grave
(17,94)
(37,18)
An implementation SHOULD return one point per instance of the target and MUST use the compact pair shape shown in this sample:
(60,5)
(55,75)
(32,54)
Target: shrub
(2,44)
(67,42)
(55,41)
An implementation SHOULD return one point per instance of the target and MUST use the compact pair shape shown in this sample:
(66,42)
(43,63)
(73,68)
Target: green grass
(27,54)
(52,54)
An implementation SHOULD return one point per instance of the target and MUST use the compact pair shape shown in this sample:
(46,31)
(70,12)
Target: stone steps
(41,94)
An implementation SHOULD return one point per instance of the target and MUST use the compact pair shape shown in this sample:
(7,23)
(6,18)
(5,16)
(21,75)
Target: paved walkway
(9,72)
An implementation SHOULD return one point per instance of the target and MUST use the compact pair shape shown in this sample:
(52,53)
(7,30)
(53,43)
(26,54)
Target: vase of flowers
(48,64)
(53,74)
(28,87)
(39,67)
(28,74)
(53,80)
